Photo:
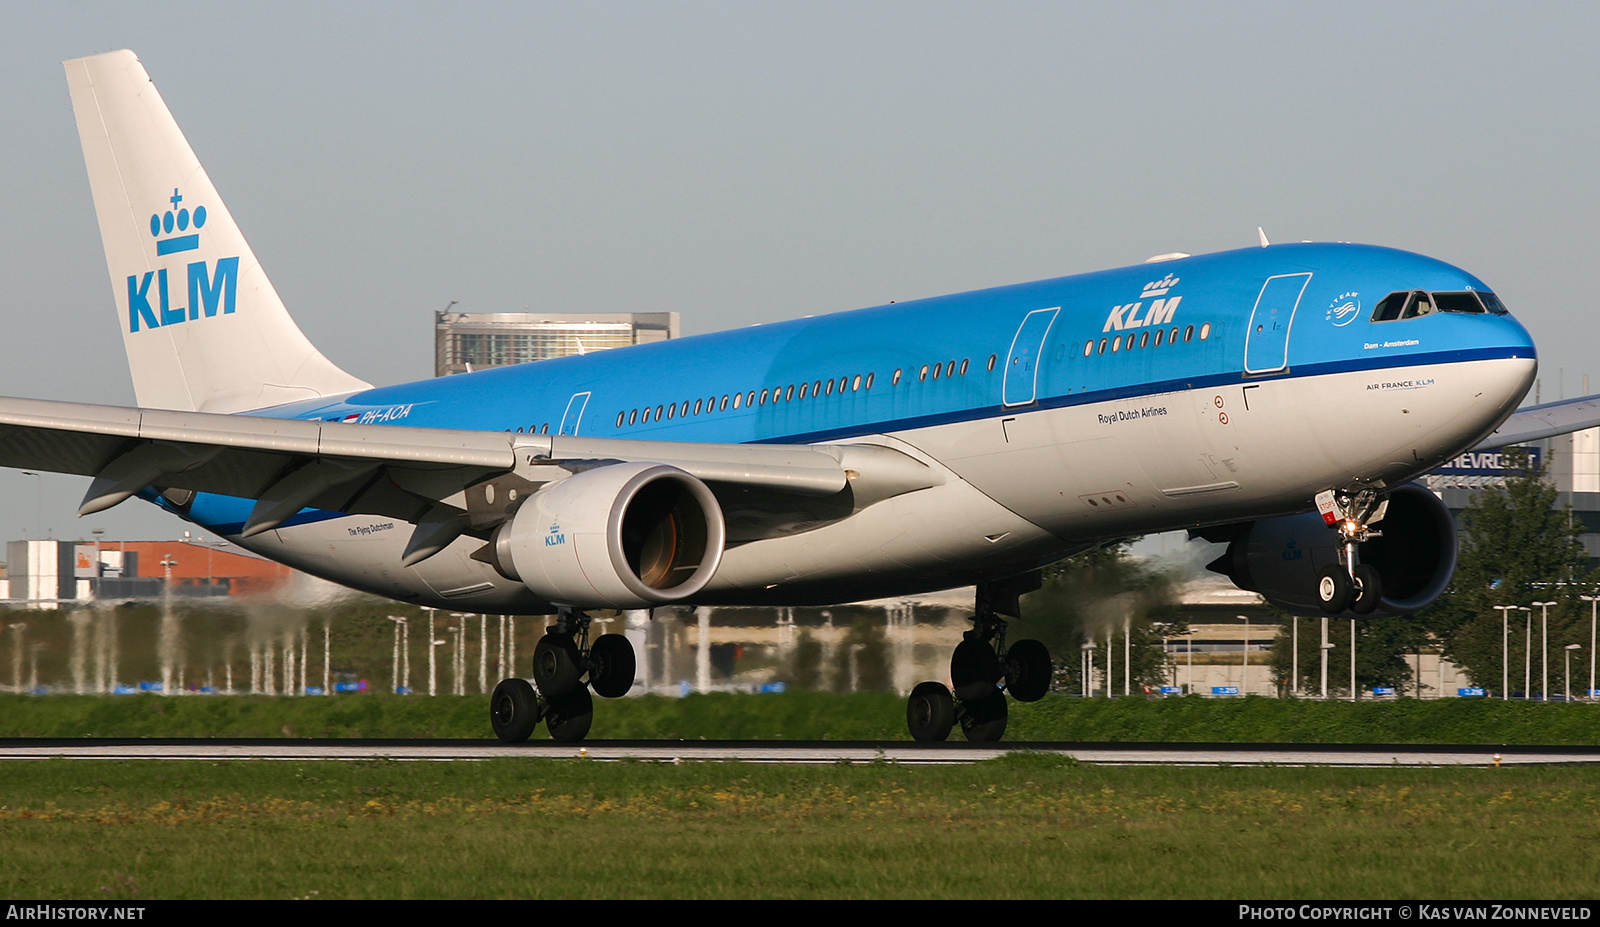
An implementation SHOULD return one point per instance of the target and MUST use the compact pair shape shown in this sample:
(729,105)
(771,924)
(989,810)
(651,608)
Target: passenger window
(993,356)
(1205,331)
(895,380)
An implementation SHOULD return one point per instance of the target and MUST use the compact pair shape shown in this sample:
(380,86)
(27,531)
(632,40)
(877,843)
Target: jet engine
(622,535)
(1281,558)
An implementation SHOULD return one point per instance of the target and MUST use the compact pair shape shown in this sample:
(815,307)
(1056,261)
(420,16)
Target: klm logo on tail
(209,290)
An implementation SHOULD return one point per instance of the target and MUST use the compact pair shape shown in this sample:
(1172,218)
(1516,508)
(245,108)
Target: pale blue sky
(746,162)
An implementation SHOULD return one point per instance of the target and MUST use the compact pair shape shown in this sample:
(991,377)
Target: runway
(1130,754)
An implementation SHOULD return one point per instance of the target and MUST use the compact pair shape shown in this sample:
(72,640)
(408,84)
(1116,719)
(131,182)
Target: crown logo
(1159,287)
(177,219)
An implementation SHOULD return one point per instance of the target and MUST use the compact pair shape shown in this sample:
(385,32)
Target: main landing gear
(983,670)
(1349,584)
(559,694)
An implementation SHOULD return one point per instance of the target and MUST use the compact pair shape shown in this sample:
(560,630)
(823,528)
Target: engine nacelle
(1281,557)
(625,535)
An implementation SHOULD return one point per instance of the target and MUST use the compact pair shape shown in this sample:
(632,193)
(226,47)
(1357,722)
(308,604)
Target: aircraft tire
(556,668)
(513,711)
(975,670)
(930,712)
(1370,590)
(568,717)
(984,721)
(1028,670)
(611,666)
(1334,589)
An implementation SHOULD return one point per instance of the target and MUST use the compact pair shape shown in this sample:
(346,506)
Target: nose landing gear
(1351,585)
(982,670)
(559,695)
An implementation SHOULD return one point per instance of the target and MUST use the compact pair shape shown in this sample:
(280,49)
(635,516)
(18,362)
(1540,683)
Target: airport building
(1571,461)
(49,574)
(468,341)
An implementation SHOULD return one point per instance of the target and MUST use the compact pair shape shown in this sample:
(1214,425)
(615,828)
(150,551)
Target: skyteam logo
(1134,314)
(1344,309)
(209,290)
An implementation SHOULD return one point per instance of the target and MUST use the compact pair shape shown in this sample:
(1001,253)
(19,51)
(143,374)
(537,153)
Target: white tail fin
(204,329)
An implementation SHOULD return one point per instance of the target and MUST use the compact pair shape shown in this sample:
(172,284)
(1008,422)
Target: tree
(1516,548)
(1097,592)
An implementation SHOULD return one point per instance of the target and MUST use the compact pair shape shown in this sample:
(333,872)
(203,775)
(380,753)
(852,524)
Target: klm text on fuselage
(208,292)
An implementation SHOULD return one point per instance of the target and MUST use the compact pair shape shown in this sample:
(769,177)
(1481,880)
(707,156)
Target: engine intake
(1281,557)
(625,535)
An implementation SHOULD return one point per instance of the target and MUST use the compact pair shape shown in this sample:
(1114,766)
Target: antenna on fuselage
(1261,234)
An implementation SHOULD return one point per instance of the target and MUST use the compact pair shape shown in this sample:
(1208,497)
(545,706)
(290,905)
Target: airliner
(1280,398)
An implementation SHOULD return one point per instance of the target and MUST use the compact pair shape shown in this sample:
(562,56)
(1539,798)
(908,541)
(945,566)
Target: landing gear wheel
(1028,670)
(556,667)
(513,710)
(984,721)
(1334,589)
(611,666)
(975,670)
(568,716)
(930,712)
(1370,590)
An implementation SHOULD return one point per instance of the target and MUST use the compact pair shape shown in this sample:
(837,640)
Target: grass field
(1020,827)
(816,716)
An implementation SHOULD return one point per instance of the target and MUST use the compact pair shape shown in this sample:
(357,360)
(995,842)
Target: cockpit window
(1458,302)
(1388,308)
(1419,304)
(1410,304)
(1492,303)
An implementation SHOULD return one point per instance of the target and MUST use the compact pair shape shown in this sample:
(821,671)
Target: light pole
(1505,651)
(18,630)
(1569,649)
(1527,654)
(1544,650)
(1325,647)
(1594,601)
(1352,659)
(1294,658)
(1189,671)
(1244,683)
(400,632)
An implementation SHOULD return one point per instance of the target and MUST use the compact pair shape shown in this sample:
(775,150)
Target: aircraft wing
(433,477)
(1544,421)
